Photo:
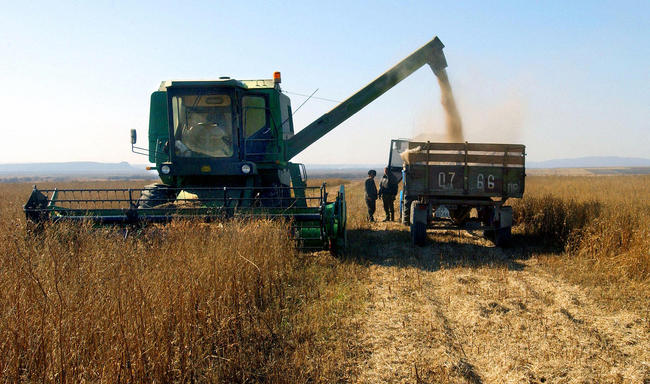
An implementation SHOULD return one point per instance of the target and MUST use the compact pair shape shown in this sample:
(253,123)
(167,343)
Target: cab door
(258,131)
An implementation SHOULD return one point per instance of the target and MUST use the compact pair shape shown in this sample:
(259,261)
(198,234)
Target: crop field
(235,302)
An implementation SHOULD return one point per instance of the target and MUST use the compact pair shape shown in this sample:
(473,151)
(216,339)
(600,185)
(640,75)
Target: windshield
(202,125)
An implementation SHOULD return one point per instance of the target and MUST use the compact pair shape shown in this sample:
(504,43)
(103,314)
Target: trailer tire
(503,236)
(154,195)
(500,237)
(406,211)
(418,233)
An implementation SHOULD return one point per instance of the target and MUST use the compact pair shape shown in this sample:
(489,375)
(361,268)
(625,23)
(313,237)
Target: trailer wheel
(418,234)
(154,195)
(500,237)
(503,236)
(419,217)
(406,211)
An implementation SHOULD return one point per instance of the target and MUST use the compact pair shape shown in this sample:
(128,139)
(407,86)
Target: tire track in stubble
(619,337)
(488,318)
(408,335)
(462,365)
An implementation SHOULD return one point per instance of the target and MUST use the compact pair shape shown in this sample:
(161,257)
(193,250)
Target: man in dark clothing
(371,194)
(387,191)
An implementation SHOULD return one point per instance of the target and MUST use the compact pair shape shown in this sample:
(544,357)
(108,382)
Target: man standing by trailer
(387,191)
(371,194)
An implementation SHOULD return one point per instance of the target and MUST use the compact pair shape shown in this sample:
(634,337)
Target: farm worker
(371,194)
(387,191)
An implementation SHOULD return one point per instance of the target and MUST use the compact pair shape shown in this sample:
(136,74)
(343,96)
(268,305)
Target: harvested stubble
(566,303)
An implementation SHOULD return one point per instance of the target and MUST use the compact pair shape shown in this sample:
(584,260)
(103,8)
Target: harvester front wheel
(339,244)
(154,195)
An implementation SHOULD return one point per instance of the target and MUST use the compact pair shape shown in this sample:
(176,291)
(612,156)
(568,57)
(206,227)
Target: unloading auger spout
(431,54)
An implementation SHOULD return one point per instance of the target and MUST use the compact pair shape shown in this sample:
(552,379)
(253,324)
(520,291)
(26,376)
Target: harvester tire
(154,195)
(339,245)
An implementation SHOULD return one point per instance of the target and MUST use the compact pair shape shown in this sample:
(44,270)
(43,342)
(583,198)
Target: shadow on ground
(443,249)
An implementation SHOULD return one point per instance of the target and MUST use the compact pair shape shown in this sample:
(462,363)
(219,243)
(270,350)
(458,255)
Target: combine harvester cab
(222,149)
(443,182)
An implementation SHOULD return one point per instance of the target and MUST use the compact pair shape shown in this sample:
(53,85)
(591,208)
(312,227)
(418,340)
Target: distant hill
(345,171)
(591,162)
(343,166)
(124,170)
(77,169)
(580,162)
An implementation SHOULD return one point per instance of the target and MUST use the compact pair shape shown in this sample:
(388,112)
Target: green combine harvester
(222,149)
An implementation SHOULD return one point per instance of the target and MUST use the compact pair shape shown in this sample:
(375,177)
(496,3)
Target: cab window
(254,109)
(202,126)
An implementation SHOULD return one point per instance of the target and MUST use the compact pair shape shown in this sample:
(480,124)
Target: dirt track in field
(461,310)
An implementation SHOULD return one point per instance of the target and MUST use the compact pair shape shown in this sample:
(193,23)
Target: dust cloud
(431,136)
(452,117)
(500,119)
(453,122)
(492,113)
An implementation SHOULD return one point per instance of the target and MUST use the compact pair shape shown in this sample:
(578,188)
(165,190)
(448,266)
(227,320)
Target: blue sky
(567,79)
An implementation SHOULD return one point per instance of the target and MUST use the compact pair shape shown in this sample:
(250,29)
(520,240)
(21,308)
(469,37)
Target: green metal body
(206,137)
(267,162)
